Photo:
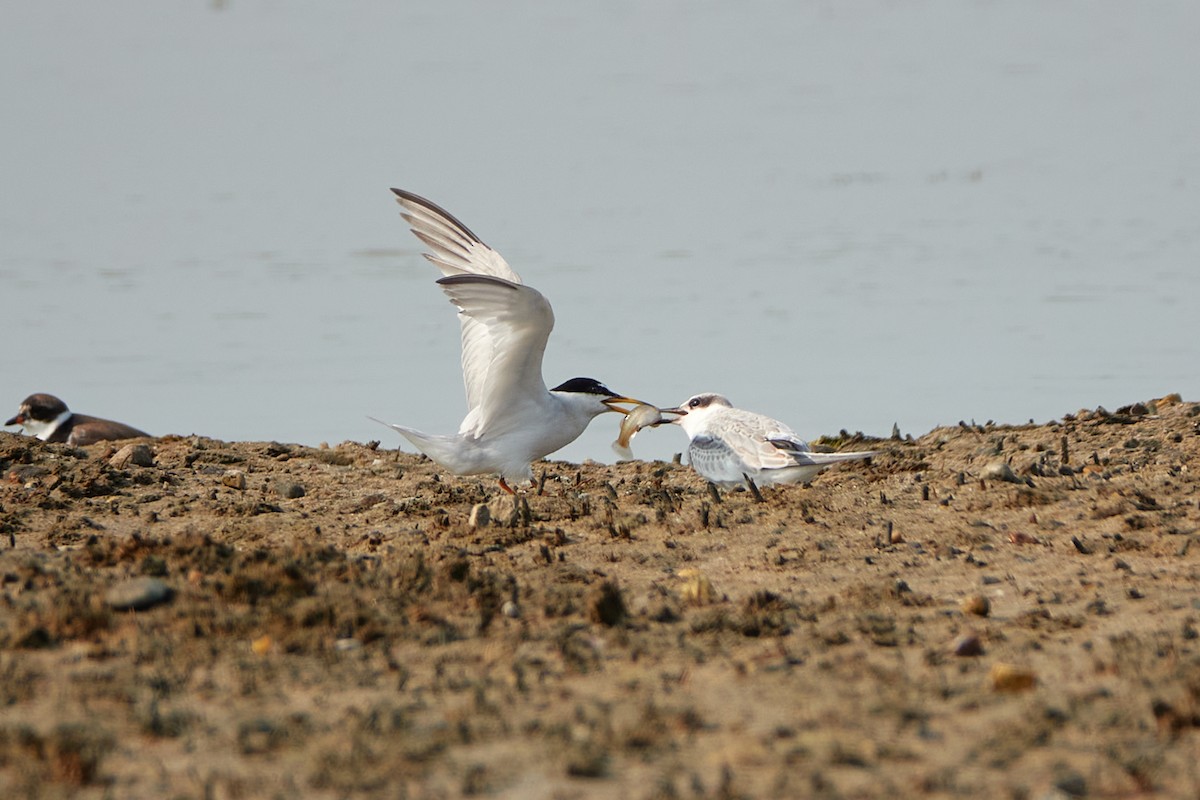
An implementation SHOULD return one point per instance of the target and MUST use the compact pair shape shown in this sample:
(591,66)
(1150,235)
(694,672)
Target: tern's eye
(695,402)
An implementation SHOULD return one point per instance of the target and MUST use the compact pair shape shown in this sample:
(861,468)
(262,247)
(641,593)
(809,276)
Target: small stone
(510,609)
(606,605)
(1000,471)
(234,479)
(139,455)
(967,645)
(1011,678)
(1172,399)
(696,588)
(1017,537)
(1071,783)
(137,594)
(895,536)
(481,515)
(346,645)
(976,604)
(290,490)
(261,646)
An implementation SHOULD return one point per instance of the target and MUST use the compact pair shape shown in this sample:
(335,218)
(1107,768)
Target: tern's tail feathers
(808,457)
(834,458)
(445,450)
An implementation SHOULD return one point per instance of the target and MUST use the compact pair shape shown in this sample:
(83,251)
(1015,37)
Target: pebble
(1011,678)
(696,588)
(976,604)
(481,515)
(290,490)
(137,594)
(1071,783)
(140,455)
(510,609)
(606,605)
(234,479)
(1000,471)
(967,645)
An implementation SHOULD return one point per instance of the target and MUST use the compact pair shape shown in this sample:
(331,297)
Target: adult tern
(512,419)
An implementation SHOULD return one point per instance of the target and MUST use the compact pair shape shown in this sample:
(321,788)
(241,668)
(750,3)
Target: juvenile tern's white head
(512,419)
(732,447)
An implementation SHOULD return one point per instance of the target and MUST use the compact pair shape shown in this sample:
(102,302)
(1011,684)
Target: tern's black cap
(585,386)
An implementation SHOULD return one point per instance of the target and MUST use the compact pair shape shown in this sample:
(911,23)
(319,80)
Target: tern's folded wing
(503,368)
(751,436)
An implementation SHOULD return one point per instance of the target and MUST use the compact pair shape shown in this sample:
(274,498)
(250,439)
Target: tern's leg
(753,489)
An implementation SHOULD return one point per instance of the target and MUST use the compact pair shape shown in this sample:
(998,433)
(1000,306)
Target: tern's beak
(681,412)
(17,420)
(614,404)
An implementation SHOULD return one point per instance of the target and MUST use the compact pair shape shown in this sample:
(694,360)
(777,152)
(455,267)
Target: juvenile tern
(49,419)
(732,447)
(512,420)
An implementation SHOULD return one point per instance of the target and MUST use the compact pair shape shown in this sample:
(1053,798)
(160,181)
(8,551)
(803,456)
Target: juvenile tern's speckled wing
(749,436)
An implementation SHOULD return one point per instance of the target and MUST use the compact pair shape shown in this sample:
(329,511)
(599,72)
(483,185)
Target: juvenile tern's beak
(681,412)
(17,420)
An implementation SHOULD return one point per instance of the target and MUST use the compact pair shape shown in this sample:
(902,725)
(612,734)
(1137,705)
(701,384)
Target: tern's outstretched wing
(513,323)
(458,251)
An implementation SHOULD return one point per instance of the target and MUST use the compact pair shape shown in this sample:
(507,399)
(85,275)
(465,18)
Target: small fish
(640,416)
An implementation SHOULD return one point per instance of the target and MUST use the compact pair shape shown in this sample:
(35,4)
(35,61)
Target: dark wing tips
(455,280)
(416,199)
(787,445)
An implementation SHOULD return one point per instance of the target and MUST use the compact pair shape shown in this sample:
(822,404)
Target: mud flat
(983,611)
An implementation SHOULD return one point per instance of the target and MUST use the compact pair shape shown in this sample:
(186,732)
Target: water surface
(846,215)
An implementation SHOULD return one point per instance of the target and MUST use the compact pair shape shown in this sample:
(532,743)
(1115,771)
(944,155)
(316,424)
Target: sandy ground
(984,611)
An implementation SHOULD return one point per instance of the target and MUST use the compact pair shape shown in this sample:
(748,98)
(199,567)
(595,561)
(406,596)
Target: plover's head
(40,415)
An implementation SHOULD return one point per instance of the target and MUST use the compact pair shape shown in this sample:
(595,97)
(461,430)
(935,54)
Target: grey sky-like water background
(842,214)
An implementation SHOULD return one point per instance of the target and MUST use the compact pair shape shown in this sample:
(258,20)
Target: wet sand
(983,611)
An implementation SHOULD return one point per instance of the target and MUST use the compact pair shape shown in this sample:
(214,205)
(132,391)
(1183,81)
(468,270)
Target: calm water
(841,214)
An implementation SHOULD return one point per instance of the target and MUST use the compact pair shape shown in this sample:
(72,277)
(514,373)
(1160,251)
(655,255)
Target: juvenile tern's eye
(694,402)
